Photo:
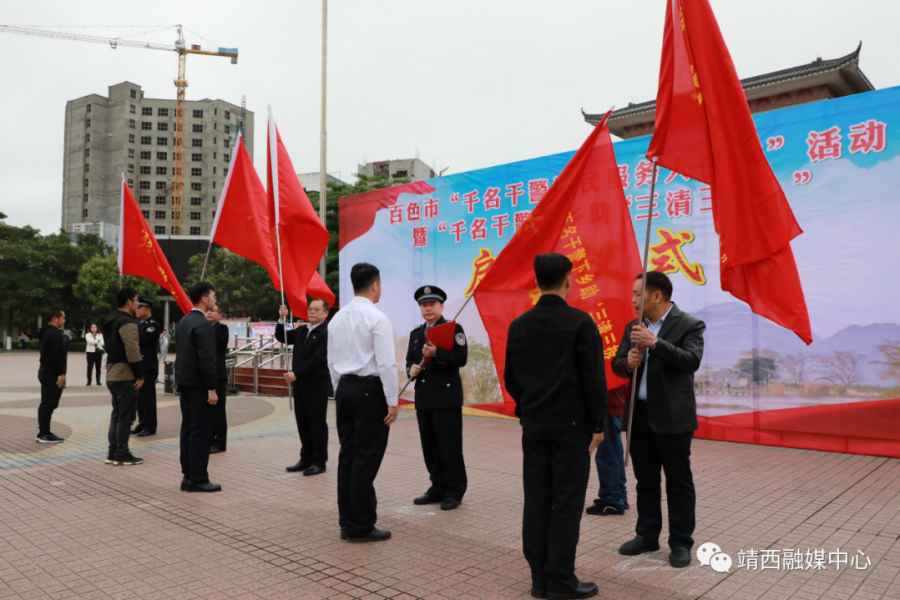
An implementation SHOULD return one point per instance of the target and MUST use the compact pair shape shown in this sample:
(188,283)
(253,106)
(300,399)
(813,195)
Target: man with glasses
(311,383)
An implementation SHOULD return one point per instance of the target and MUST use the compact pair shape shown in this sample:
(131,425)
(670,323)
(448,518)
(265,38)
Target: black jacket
(554,367)
(121,334)
(221,331)
(148,339)
(671,404)
(195,354)
(439,384)
(54,350)
(310,362)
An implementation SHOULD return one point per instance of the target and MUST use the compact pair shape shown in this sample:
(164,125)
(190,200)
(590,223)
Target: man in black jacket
(220,423)
(196,378)
(555,374)
(311,383)
(52,372)
(124,375)
(149,331)
(668,353)
(439,400)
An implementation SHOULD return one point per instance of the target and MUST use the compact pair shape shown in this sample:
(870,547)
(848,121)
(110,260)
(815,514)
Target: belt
(369,377)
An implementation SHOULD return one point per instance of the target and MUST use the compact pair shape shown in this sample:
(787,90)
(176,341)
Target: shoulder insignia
(461,339)
(151,329)
(415,329)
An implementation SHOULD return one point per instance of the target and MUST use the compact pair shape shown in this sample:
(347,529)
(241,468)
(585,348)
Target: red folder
(442,336)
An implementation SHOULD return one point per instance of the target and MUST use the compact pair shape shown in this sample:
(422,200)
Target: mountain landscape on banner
(729,332)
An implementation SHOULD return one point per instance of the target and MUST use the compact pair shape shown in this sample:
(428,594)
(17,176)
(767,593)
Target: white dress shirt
(361,342)
(642,389)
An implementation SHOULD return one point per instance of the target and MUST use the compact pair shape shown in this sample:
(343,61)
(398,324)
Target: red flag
(704,130)
(303,236)
(140,255)
(585,216)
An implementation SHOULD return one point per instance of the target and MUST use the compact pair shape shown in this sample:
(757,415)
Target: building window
(162,112)
(160,170)
(131,123)
(145,169)
(214,170)
(145,154)
(215,141)
(196,172)
(214,157)
(160,185)
(226,157)
(159,229)
(226,172)
(130,138)
(144,200)
(85,198)
(134,93)
(195,216)
(131,153)
(159,214)
(197,157)
(225,142)
(87,122)
(146,125)
(162,141)
(215,111)
(177,156)
(146,140)
(131,109)
(195,231)
(195,143)
(86,182)
(88,108)
(144,185)
(162,126)
(130,168)
(213,214)
(131,183)
(214,185)
(146,111)
(198,128)
(197,186)
(87,152)
(215,125)
(162,156)
(227,115)
(198,114)
(146,214)
(84,213)
(87,168)
(87,138)
(161,200)
(195,201)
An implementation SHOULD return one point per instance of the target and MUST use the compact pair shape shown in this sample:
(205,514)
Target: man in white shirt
(363,370)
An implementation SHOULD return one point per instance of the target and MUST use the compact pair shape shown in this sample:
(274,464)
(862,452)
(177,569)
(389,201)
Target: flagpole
(121,230)
(641,309)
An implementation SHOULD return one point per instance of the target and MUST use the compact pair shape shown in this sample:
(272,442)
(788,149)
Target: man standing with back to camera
(668,353)
(555,373)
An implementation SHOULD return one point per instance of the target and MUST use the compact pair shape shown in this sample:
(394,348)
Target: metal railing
(259,353)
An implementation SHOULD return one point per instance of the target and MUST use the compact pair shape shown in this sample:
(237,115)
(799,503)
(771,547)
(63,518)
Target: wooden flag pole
(641,309)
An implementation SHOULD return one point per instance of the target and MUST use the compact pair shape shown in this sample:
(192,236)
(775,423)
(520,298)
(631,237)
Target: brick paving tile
(68,522)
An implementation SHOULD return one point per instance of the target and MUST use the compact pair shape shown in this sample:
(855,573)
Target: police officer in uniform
(439,400)
(149,331)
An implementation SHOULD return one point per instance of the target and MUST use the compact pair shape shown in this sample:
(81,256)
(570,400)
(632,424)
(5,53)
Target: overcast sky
(465,83)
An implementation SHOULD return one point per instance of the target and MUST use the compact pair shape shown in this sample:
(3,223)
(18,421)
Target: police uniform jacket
(221,330)
(438,385)
(310,362)
(148,340)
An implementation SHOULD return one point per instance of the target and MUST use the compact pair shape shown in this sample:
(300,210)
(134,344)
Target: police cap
(430,293)
(144,302)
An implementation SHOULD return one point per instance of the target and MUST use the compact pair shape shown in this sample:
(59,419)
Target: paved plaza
(74,527)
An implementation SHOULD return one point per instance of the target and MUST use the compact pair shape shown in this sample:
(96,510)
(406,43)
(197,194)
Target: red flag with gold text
(585,216)
(140,255)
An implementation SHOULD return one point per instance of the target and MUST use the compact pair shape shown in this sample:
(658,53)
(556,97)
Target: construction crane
(180,83)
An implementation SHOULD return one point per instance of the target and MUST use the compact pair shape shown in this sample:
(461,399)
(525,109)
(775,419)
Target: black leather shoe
(300,466)
(202,487)
(584,590)
(427,499)
(215,450)
(314,470)
(145,433)
(599,502)
(604,510)
(638,546)
(538,593)
(449,504)
(137,430)
(343,533)
(680,557)
(376,535)
(184,482)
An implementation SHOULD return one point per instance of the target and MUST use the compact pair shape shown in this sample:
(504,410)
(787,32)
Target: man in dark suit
(220,422)
(149,331)
(311,383)
(555,374)
(668,353)
(439,400)
(196,378)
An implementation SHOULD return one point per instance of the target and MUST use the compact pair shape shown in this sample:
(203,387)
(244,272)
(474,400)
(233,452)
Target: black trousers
(440,430)
(50,395)
(556,469)
(147,403)
(650,453)
(311,412)
(361,409)
(124,405)
(220,420)
(197,416)
(94,360)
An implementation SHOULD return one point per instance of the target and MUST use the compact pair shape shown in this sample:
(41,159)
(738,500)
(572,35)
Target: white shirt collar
(310,326)
(662,318)
(363,300)
(198,310)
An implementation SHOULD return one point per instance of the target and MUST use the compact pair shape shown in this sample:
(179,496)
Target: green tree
(759,365)
(484,385)
(98,282)
(243,288)
(336,191)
